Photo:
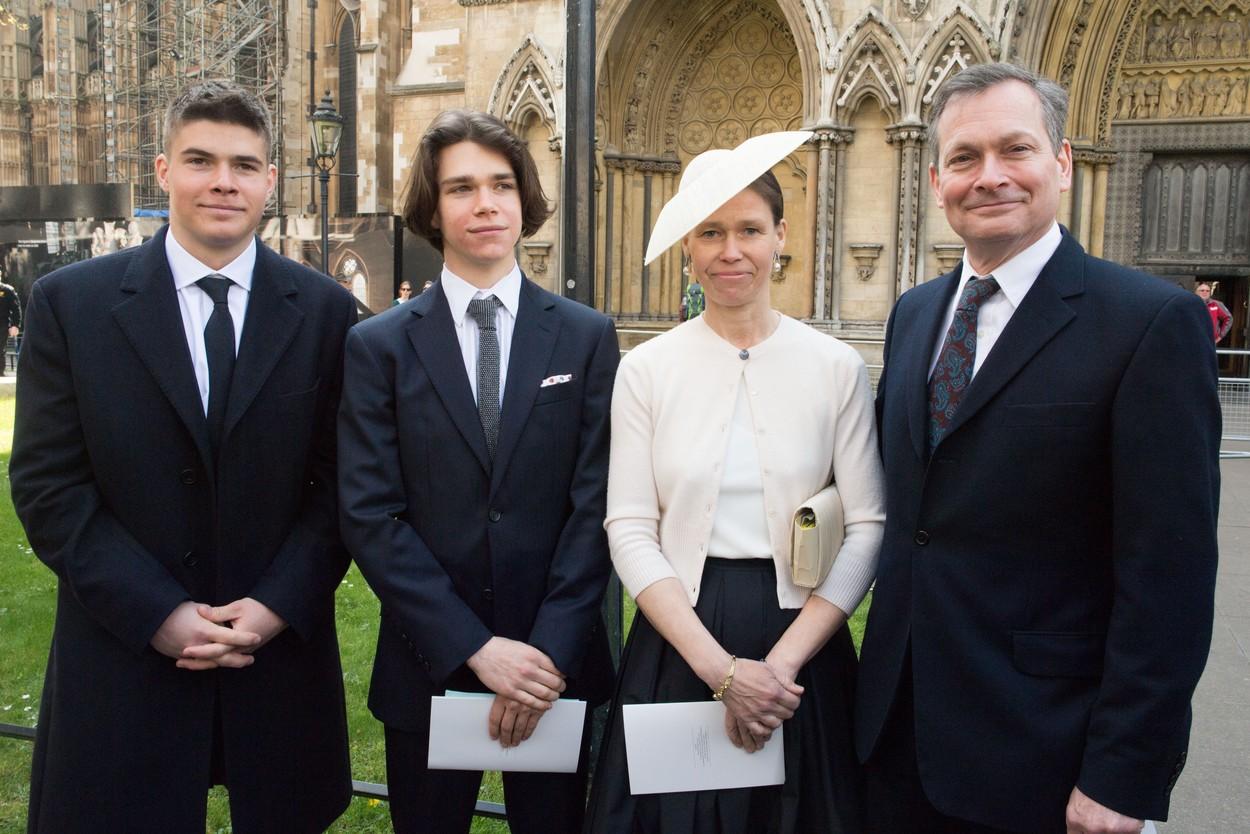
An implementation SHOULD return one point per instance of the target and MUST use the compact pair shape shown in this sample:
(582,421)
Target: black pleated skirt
(823,792)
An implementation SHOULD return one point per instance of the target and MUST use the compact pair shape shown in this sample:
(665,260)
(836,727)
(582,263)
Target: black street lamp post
(327,130)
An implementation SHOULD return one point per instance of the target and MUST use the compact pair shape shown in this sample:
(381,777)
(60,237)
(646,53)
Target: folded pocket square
(558,379)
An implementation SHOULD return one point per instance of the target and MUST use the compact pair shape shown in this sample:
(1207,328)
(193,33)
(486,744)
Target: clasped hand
(525,681)
(200,636)
(756,703)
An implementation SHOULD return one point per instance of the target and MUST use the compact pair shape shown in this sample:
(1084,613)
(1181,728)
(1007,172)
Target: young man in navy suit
(473,469)
(173,463)
(1050,433)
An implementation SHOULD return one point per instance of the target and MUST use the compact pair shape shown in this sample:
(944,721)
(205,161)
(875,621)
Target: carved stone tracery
(741,80)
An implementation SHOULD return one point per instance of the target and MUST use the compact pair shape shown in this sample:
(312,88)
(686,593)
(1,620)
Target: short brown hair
(978,78)
(452,127)
(218,101)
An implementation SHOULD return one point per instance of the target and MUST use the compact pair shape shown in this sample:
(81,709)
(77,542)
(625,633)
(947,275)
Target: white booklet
(683,747)
(459,739)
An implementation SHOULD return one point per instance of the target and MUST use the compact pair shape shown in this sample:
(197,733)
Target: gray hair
(218,101)
(980,77)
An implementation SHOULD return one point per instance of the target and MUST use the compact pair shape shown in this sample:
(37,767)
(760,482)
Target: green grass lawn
(27,600)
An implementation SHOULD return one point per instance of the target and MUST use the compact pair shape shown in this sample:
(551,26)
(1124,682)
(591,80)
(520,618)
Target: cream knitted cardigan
(671,409)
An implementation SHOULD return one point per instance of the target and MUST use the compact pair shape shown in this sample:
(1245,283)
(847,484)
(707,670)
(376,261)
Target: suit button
(190,559)
(494,515)
(488,594)
(922,538)
(187,476)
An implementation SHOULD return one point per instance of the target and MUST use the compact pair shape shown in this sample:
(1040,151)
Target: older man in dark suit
(173,463)
(473,477)
(1050,430)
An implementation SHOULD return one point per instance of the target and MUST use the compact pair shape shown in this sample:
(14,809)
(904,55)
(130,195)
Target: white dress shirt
(196,305)
(1015,279)
(459,293)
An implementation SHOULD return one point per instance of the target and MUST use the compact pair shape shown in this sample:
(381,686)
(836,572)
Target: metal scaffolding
(152,48)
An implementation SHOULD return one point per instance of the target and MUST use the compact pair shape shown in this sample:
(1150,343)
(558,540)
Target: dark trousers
(894,795)
(427,801)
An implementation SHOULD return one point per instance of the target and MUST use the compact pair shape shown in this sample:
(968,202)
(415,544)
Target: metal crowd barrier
(1235,403)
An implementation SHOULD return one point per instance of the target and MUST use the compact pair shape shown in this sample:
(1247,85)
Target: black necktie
(483,312)
(219,347)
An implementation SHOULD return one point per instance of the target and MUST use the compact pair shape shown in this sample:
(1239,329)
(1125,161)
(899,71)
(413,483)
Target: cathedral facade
(1160,120)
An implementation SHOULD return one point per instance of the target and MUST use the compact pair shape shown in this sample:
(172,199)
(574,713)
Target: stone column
(1098,220)
(614,233)
(1083,160)
(831,145)
(909,138)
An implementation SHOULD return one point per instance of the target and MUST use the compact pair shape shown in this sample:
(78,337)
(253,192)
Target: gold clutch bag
(816,537)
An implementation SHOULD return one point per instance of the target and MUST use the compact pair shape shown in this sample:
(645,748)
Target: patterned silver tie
(483,312)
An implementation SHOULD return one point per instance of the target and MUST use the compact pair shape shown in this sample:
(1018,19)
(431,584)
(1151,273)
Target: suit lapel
(1041,315)
(269,326)
(533,340)
(152,322)
(919,352)
(433,336)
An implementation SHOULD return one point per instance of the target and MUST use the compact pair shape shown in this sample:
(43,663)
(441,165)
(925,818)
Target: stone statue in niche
(1126,99)
(1139,100)
(1237,97)
(1157,40)
(1207,42)
(1152,97)
(1217,95)
(1232,38)
(1197,95)
(1181,38)
(1180,101)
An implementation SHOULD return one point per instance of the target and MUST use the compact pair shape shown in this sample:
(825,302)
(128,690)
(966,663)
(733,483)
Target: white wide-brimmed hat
(712,179)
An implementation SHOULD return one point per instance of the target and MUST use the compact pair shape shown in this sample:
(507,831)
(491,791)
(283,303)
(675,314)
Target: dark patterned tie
(483,312)
(219,348)
(953,371)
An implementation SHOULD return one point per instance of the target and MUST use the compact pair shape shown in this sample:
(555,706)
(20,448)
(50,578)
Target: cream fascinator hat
(712,179)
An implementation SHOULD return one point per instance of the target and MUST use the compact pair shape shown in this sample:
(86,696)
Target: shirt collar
(1016,276)
(187,269)
(460,292)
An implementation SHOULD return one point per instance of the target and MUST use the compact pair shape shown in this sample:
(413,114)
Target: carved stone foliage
(747,82)
(642,85)
(1080,23)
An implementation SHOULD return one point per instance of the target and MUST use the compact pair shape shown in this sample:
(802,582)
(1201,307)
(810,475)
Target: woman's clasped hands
(756,702)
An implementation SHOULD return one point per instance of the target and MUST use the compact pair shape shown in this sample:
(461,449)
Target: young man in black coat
(173,463)
(473,480)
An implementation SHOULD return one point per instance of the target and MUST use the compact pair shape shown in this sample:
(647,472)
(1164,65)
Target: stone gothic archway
(699,77)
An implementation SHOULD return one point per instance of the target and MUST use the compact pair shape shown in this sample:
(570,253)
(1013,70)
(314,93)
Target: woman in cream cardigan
(721,428)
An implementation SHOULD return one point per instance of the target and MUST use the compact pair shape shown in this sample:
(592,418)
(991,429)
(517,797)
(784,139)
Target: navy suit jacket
(1053,563)
(459,549)
(114,482)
